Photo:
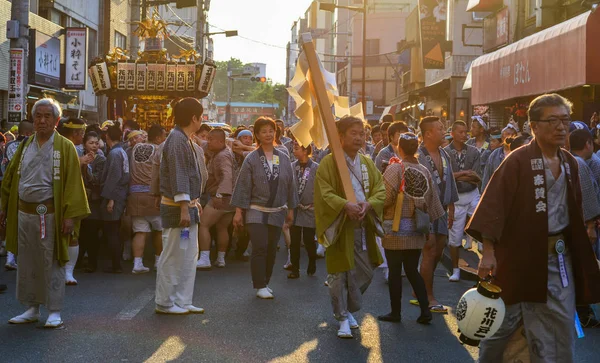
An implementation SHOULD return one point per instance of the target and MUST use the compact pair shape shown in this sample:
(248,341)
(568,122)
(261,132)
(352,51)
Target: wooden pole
(320,94)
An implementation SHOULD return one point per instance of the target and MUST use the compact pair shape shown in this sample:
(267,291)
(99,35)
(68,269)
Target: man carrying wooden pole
(349,196)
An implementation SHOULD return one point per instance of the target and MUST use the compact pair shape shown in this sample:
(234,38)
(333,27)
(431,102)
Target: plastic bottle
(184,238)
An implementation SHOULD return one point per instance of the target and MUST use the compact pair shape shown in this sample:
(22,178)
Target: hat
(578,125)
(244,133)
(107,124)
(133,134)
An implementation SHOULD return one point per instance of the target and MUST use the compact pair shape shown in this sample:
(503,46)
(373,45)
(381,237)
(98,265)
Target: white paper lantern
(480,313)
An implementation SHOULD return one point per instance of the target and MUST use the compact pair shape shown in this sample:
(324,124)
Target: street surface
(110,318)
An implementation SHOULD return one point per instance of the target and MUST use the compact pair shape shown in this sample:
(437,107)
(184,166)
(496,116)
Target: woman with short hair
(265,197)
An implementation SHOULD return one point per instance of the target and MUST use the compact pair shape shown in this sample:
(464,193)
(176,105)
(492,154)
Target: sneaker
(220,263)
(173,310)
(264,293)
(353,323)
(455,275)
(137,270)
(344,332)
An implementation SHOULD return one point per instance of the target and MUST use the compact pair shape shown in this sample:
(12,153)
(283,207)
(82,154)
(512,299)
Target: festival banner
(171,77)
(160,76)
(191,77)
(141,76)
(432,15)
(75,58)
(181,74)
(15,85)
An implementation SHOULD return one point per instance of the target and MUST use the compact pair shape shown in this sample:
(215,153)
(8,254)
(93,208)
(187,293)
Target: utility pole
(228,107)
(135,16)
(200,26)
(19,12)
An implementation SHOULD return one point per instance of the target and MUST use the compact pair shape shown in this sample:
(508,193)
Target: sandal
(441,309)
(293,275)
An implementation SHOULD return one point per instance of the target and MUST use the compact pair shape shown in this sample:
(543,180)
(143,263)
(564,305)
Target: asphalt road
(110,318)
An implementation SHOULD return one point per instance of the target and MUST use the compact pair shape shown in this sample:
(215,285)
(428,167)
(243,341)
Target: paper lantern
(480,313)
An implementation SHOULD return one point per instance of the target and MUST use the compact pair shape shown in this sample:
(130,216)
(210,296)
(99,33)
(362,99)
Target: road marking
(135,306)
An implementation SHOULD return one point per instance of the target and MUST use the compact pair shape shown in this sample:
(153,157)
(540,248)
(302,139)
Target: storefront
(563,59)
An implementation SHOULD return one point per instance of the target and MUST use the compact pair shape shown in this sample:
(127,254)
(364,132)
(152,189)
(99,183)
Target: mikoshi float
(143,89)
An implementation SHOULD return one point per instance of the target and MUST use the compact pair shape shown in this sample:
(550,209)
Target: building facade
(532,48)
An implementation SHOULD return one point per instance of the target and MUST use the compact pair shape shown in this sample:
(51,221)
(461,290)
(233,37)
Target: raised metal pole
(364,59)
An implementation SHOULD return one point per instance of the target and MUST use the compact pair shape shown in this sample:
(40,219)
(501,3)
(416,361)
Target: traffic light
(258,79)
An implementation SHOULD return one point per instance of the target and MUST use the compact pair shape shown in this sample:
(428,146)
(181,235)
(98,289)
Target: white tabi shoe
(54,322)
(270,289)
(204,263)
(220,263)
(353,323)
(30,316)
(344,331)
(193,310)
(264,293)
(173,310)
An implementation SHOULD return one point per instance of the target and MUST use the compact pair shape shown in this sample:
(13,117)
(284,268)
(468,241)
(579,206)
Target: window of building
(120,40)
(372,46)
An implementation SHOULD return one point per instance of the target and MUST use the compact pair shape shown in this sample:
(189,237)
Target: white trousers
(466,205)
(176,273)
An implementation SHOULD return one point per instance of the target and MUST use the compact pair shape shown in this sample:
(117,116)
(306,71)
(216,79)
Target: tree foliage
(244,90)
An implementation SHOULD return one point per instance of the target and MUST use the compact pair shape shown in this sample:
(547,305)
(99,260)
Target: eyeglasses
(554,122)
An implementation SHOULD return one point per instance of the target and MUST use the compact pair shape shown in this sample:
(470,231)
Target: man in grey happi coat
(180,186)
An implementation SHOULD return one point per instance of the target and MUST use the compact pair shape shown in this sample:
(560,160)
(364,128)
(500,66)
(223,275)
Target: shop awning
(484,5)
(561,57)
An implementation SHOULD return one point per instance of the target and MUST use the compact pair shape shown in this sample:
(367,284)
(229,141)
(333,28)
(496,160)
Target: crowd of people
(201,195)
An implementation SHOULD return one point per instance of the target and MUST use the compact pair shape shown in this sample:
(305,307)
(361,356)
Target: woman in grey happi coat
(114,194)
(304,228)
(265,197)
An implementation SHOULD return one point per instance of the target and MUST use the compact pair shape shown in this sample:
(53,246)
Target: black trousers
(410,260)
(298,234)
(111,231)
(264,239)
(89,241)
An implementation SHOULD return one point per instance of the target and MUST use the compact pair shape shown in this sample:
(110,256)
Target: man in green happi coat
(348,230)
(43,197)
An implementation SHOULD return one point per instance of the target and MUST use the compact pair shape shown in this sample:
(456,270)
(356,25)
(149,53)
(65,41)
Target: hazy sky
(268,21)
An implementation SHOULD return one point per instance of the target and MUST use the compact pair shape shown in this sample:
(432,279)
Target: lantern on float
(480,313)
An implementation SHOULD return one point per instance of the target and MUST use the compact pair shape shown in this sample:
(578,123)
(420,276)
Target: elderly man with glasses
(536,247)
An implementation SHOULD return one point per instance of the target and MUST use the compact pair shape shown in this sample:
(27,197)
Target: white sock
(156,258)
(137,262)
(205,256)
(33,310)
(456,271)
(54,315)
(221,256)
(70,266)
